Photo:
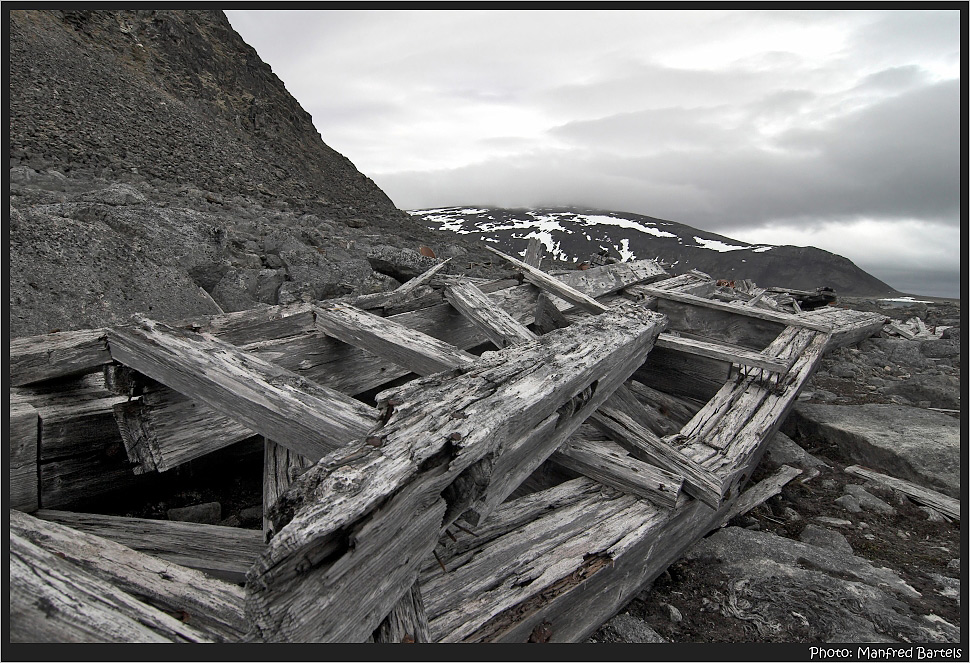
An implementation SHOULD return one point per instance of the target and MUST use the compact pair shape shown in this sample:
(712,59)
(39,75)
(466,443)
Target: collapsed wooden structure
(539,449)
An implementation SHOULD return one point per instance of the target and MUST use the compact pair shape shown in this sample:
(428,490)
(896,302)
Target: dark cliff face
(158,166)
(175,96)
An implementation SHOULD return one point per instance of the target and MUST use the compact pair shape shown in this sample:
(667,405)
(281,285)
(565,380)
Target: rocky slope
(571,235)
(158,165)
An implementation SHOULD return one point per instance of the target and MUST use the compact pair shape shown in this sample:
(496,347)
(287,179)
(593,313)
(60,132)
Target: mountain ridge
(572,234)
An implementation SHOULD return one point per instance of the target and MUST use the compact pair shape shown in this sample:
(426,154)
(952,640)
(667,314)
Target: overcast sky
(827,128)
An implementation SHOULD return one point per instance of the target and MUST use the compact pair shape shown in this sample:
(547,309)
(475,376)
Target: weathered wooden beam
(761,492)
(53,600)
(212,606)
(547,316)
(785,319)
(223,552)
(23,472)
(612,466)
(550,284)
(306,417)
(407,622)
(942,503)
(501,328)
(405,291)
(280,468)
(644,444)
(36,358)
(720,351)
(533,253)
(367,517)
(681,374)
(678,410)
(391,340)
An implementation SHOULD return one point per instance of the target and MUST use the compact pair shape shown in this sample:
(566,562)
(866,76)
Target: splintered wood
(524,494)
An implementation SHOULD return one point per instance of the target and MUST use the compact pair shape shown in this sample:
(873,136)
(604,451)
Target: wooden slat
(681,374)
(212,606)
(223,552)
(612,466)
(642,443)
(942,503)
(533,253)
(48,356)
(274,402)
(280,468)
(405,291)
(782,318)
(548,283)
(676,409)
(761,492)
(53,600)
(391,340)
(407,622)
(721,351)
(443,434)
(501,328)
(22,475)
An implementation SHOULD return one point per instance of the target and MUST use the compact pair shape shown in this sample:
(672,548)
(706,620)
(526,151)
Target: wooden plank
(439,429)
(164,429)
(212,606)
(74,480)
(720,351)
(22,474)
(53,600)
(944,504)
(550,284)
(533,253)
(547,316)
(612,466)
(782,318)
(676,409)
(501,328)
(74,428)
(761,492)
(274,402)
(36,358)
(280,468)
(677,373)
(391,340)
(405,291)
(643,444)
(223,552)
(407,622)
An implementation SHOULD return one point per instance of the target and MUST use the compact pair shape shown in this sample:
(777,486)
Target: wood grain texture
(23,471)
(281,467)
(212,606)
(407,622)
(36,358)
(944,504)
(272,401)
(501,328)
(53,600)
(553,285)
(223,552)
(761,492)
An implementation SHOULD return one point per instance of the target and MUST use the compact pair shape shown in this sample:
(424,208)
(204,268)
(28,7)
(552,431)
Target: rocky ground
(835,558)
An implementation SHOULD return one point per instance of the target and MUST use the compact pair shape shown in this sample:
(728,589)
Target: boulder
(906,442)
(811,593)
(626,628)
(207,512)
(823,537)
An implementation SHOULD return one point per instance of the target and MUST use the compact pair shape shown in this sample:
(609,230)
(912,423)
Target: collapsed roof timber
(500,495)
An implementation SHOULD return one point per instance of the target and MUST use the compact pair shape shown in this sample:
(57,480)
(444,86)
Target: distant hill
(573,234)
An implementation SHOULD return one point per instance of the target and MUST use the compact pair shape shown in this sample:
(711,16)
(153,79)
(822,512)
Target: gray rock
(850,503)
(867,500)
(207,512)
(940,348)
(624,627)
(236,291)
(939,390)
(401,264)
(834,522)
(825,538)
(782,450)
(843,598)
(675,614)
(844,371)
(268,282)
(951,333)
(251,513)
(949,587)
(909,443)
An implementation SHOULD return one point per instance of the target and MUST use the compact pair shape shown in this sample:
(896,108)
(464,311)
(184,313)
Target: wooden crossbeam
(224,552)
(550,284)
(36,358)
(501,328)
(391,340)
(22,478)
(782,318)
(720,351)
(279,404)
(413,477)
(533,253)
(214,606)
(612,466)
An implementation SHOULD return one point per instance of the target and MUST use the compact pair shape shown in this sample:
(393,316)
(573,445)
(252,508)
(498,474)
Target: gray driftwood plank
(442,436)
(533,253)
(281,467)
(942,503)
(274,402)
(761,492)
(212,606)
(407,622)
(36,358)
(224,552)
(53,600)
(22,475)
(550,284)
(391,340)
(501,328)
